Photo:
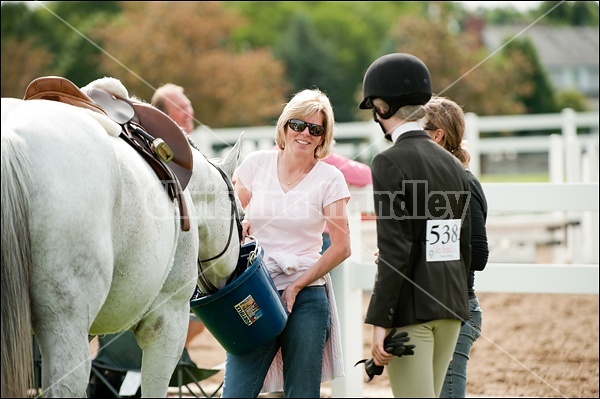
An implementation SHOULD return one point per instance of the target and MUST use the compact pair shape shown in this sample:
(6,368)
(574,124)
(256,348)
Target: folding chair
(37,368)
(120,356)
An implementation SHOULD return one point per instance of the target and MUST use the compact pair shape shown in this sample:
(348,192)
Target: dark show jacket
(412,181)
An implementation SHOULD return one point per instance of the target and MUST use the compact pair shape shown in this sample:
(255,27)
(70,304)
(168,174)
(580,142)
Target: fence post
(556,159)
(572,146)
(589,220)
(349,303)
(472,136)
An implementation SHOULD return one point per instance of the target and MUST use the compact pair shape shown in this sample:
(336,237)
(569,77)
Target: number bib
(443,240)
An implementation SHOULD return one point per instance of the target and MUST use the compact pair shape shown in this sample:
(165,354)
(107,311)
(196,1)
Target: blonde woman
(289,195)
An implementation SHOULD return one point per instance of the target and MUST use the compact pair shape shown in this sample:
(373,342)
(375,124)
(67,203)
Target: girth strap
(164,174)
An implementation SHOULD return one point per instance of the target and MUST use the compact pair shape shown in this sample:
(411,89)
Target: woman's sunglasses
(298,126)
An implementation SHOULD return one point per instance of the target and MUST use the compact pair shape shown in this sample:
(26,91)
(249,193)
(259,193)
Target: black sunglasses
(299,126)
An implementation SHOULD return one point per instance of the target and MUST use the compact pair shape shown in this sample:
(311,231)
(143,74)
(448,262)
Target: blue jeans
(326,242)
(455,385)
(302,342)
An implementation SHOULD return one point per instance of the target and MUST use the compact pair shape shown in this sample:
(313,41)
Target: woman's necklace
(295,180)
(286,178)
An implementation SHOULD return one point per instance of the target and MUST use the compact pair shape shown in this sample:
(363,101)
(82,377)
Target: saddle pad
(116,108)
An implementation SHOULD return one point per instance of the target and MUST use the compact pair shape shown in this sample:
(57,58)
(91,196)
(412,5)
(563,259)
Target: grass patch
(519,178)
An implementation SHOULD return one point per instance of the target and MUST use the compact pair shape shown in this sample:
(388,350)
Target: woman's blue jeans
(302,342)
(455,385)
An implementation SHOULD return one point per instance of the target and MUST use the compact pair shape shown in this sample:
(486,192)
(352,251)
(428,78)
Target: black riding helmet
(399,79)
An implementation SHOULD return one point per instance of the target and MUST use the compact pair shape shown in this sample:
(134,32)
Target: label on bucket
(248,310)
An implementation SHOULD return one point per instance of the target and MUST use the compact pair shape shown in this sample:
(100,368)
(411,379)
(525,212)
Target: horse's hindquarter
(103,228)
(72,195)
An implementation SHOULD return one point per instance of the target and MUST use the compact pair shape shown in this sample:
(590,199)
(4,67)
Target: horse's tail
(17,343)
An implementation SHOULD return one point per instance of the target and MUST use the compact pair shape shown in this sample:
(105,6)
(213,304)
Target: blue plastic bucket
(248,312)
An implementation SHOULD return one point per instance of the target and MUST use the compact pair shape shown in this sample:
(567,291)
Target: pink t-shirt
(355,173)
(292,222)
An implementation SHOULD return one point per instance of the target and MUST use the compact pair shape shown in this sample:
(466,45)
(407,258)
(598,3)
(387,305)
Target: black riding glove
(393,344)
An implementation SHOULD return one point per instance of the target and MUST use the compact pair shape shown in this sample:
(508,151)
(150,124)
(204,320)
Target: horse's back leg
(161,353)
(69,287)
(162,333)
(66,363)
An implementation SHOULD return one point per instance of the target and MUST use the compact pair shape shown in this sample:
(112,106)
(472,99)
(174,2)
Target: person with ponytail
(445,123)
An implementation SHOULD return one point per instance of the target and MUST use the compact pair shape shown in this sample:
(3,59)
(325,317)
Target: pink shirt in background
(355,173)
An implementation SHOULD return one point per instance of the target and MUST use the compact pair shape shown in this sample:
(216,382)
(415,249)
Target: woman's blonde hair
(443,113)
(305,104)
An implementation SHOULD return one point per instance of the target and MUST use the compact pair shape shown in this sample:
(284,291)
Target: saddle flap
(56,88)
(159,124)
(117,109)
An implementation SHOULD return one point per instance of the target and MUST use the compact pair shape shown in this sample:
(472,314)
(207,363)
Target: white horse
(92,244)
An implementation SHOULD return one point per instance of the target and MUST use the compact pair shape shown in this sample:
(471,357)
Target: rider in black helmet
(420,195)
(398,79)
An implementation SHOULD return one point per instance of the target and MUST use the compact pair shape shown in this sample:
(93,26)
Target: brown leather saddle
(148,130)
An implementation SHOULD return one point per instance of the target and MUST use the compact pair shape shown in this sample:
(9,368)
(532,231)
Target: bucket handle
(252,255)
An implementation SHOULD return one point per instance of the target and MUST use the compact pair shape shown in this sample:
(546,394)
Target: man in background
(171,100)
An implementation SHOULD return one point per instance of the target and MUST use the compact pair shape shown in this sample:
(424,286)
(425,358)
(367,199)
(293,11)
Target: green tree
(460,67)
(571,99)
(17,21)
(234,58)
(351,32)
(571,13)
(309,58)
(61,28)
(503,16)
(68,27)
(25,63)
(186,43)
(541,98)
(24,57)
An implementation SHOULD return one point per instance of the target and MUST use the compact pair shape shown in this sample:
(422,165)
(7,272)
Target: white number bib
(443,240)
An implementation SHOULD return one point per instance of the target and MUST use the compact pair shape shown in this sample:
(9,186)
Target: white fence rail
(572,157)
(356,275)
(565,150)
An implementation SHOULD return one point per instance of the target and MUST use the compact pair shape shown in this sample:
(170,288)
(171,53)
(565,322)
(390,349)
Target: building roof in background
(555,45)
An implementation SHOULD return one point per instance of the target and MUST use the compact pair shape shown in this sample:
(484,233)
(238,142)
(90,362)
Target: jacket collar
(405,127)
(411,134)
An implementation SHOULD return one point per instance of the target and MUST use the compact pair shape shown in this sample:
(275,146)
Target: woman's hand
(380,356)
(289,296)
(245,230)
